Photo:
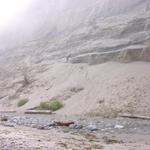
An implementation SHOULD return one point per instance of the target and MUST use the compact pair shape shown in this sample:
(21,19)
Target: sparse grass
(106,111)
(50,105)
(22,102)
(112,141)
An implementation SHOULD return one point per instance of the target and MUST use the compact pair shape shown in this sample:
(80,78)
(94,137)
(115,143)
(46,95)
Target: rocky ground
(31,132)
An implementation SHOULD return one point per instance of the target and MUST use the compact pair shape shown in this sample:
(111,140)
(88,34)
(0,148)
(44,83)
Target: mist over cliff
(55,18)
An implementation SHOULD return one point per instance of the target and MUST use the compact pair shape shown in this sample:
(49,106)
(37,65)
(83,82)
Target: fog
(47,18)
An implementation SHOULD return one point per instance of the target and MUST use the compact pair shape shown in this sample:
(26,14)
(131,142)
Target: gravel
(98,124)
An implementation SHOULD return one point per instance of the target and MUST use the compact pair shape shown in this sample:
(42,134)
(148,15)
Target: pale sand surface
(23,138)
(104,89)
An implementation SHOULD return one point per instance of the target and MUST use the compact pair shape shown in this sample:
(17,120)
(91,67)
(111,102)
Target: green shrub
(44,105)
(55,105)
(51,105)
(22,102)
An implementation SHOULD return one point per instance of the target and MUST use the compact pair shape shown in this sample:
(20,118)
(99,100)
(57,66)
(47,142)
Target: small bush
(55,105)
(22,102)
(44,105)
(50,105)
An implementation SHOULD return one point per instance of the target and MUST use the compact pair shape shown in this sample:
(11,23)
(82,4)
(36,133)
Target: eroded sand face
(101,89)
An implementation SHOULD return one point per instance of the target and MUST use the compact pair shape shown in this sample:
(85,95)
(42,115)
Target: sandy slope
(104,89)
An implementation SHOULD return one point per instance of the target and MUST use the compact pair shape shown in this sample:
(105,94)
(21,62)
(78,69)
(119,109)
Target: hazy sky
(9,9)
(22,20)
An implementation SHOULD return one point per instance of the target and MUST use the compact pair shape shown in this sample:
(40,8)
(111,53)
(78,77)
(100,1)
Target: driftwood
(33,108)
(6,111)
(63,123)
(38,112)
(135,116)
(4,118)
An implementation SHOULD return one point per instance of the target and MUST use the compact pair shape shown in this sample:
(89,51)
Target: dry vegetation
(51,105)
(22,102)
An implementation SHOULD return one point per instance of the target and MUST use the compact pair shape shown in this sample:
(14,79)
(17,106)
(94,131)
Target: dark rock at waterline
(76,126)
(4,118)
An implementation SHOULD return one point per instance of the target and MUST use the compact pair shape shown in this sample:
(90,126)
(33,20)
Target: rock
(92,127)
(96,58)
(34,126)
(41,127)
(117,126)
(130,54)
(67,124)
(4,118)
(9,124)
(145,55)
(76,126)
(53,124)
